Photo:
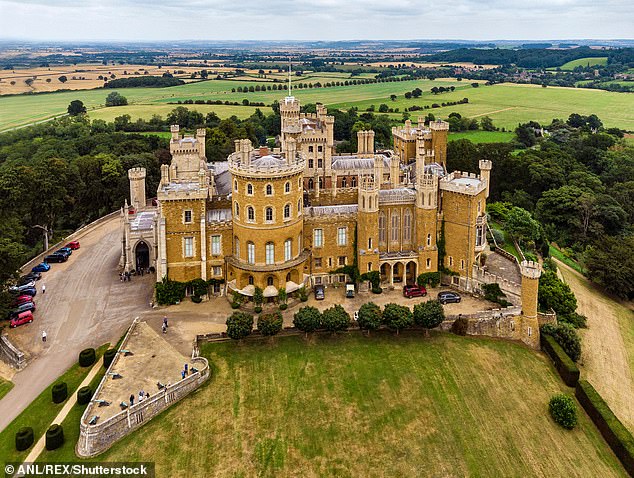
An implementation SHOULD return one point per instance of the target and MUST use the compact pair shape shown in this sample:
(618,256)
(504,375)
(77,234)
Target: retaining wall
(10,353)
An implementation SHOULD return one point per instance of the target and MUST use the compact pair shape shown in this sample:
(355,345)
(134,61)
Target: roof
(143,221)
(184,186)
(329,210)
(223,183)
(268,162)
(218,215)
(354,162)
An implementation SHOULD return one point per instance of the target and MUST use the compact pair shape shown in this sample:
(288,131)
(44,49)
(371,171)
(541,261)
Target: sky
(150,20)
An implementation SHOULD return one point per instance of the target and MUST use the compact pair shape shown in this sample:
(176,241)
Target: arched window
(428,263)
(353,182)
(269,214)
(287,187)
(321,183)
(269,280)
(287,211)
(237,210)
(299,207)
(395,227)
(270,253)
(288,249)
(407,226)
(269,190)
(251,280)
(288,277)
(250,214)
(235,185)
(382,227)
(237,246)
(363,202)
(428,240)
(370,205)
(250,252)
(311,184)
(250,189)
(299,183)
(344,182)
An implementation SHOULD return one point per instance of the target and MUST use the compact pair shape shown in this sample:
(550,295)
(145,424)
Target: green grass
(508,245)
(592,61)
(160,134)
(41,412)
(556,253)
(5,387)
(483,136)
(370,406)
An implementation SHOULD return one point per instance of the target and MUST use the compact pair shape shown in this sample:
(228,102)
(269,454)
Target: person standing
(43,335)
(131,399)
(43,289)
(165,321)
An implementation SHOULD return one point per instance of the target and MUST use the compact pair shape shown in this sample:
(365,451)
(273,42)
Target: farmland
(571,65)
(370,406)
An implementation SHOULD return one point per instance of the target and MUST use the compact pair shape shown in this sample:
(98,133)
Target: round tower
(531,272)
(485,172)
(137,187)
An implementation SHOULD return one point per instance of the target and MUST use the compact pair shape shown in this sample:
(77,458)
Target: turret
(378,170)
(426,190)
(368,224)
(291,150)
(201,134)
(485,173)
(137,187)
(165,174)
(365,143)
(439,131)
(175,129)
(529,330)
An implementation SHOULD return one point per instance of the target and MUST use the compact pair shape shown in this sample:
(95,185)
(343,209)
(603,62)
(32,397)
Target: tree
(76,107)
(429,315)
(307,319)
(239,325)
(610,262)
(555,294)
(563,410)
(63,79)
(270,324)
(397,317)
(521,225)
(370,317)
(566,336)
(486,124)
(383,108)
(115,99)
(393,97)
(335,319)
(258,296)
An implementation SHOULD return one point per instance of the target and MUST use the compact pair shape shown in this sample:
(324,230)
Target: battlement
(428,181)
(531,269)
(463,183)
(439,125)
(136,173)
(485,164)
(367,183)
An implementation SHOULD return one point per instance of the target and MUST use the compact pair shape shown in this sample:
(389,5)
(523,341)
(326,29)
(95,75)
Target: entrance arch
(142,255)
(410,272)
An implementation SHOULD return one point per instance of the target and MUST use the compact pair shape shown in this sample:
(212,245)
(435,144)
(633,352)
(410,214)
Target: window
(217,270)
(342,260)
(428,263)
(188,216)
(320,149)
(320,163)
(407,226)
(250,189)
(318,238)
(237,210)
(270,253)
(311,183)
(317,262)
(382,228)
(369,267)
(188,247)
(318,280)
(395,227)
(311,149)
(462,265)
(330,262)
(215,245)
(479,236)
(287,211)
(250,253)
(287,187)
(269,190)
(428,240)
(288,249)
(344,182)
(299,207)
(288,277)
(370,243)
(269,214)
(353,182)
(269,280)
(321,183)
(250,280)
(342,238)
(311,163)
(479,206)
(237,245)
(235,185)
(529,331)
(250,214)
(450,261)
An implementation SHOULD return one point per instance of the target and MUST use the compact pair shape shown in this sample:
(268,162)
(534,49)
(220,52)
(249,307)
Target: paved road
(85,305)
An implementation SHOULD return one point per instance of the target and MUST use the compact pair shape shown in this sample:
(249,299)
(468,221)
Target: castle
(293,216)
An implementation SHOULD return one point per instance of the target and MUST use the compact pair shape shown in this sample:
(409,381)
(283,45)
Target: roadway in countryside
(85,305)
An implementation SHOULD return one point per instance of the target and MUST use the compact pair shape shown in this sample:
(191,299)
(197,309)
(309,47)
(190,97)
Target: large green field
(380,406)
(592,61)
(507,104)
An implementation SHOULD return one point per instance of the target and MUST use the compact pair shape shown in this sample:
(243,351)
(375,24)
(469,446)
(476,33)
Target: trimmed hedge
(24,438)
(54,437)
(108,357)
(567,369)
(59,392)
(87,357)
(84,394)
(617,436)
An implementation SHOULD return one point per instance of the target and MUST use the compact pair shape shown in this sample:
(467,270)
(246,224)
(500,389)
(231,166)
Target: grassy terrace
(508,245)
(377,406)
(558,254)
(5,387)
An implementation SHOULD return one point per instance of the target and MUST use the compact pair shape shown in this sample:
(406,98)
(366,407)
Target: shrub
(303,295)
(235,305)
(429,314)
(335,319)
(169,292)
(377,290)
(397,317)
(370,316)
(59,392)
(460,326)
(307,319)
(257,309)
(239,325)
(578,321)
(108,357)
(283,306)
(87,357)
(493,293)
(54,437)
(196,299)
(258,296)
(24,438)
(428,278)
(270,324)
(282,296)
(563,363)
(566,336)
(498,236)
(199,287)
(563,410)
(555,294)
(84,394)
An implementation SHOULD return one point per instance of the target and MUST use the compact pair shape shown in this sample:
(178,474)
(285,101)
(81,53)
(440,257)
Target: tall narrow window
(287,187)
(188,216)
(237,210)
(235,185)
(250,214)
(188,247)
(311,163)
(288,249)
(407,226)
(269,190)
(270,253)
(344,182)
(353,182)
(321,183)
(287,211)
(311,184)
(428,263)
(250,189)
(269,214)
(215,245)
(251,253)
(382,227)
(299,207)
(428,240)
(237,245)
(395,227)
(318,238)
(342,238)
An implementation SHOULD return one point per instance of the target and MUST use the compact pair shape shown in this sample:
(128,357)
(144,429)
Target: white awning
(248,290)
(292,286)
(270,291)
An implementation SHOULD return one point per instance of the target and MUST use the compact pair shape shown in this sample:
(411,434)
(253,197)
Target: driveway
(85,305)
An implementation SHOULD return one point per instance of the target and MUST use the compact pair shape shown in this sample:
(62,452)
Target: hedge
(108,357)
(24,438)
(617,436)
(565,366)
(84,394)
(59,392)
(54,437)
(87,357)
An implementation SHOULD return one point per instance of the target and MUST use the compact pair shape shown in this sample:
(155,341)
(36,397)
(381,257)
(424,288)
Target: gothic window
(479,236)
(235,185)
(250,214)
(269,214)
(407,226)
(288,277)
(311,184)
(395,227)
(353,182)
(287,187)
(269,190)
(344,182)
(250,252)
(370,243)
(288,249)
(250,280)
(270,253)
(321,183)
(269,280)
(462,265)
(299,207)
(363,202)
(382,227)
(299,183)
(287,211)
(428,240)
(428,263)
(250,189)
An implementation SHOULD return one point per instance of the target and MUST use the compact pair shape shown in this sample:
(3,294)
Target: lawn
(558,254)
(377,406)
(5,387)
(508,245)
(483,136)
(592,61)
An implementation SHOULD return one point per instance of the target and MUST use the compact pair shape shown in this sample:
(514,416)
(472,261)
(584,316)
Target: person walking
(131,399)
(165,321)
(43,335)
(164,328)
(43,289)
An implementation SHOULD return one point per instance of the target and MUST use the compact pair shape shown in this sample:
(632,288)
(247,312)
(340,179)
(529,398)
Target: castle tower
(188,154)
(289,111)
(368,225)
(137,187)
(529,332)
(485,173)
(426,220)
(378,171)
(439,132)
(365,143)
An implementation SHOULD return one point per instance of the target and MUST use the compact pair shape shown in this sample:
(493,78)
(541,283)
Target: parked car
(64,252)
(55,257)
(18,289)
(23,318)
(320,292)
(31,291)
(349,291)
(31,276)
(42,267)
(448,297)
(410,291)
(26,307)
(73,245)
(21,299)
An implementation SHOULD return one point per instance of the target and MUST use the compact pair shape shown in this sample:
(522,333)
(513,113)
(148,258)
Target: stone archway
(411,272)
(398,272)
(142,255)
(386,272)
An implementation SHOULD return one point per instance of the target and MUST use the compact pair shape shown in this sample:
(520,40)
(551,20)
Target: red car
(74,245)
(23,318)
(410,291)
(22,299)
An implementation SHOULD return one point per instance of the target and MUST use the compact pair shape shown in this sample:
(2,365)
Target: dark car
(25,307)
(410,291)
(17,289)
(448,297)
(67,251)
(31,276)
(320,292)
(32,291)
(42,267)
(55,257)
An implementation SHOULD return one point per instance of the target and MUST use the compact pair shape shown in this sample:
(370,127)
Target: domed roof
(269,162)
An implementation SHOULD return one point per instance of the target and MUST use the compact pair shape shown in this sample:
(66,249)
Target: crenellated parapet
(463,183)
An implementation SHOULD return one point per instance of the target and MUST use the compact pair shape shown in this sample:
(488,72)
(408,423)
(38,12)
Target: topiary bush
(335,318)
(303,295)
(84,394)
(397,317)
(87,357)
(24,438)
(283,306)
(239,325)
(563,410)
(370,316)
(196,299)
(54,437)
(59,392)
(270,324)
(307,319)
(377,290)
(108,357)
(257,309)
